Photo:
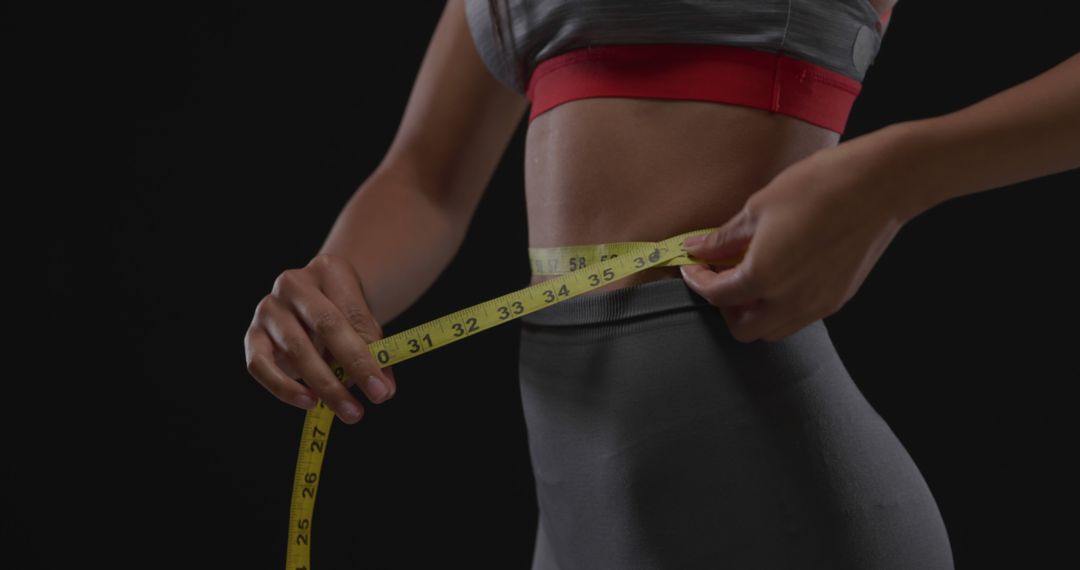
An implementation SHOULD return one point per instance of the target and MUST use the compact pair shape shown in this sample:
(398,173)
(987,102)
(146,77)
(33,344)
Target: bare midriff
(610,169)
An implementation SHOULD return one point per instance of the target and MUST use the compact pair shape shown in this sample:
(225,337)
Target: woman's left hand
(808,239)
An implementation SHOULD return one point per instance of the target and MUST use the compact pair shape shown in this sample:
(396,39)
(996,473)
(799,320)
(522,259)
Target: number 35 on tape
(577,269)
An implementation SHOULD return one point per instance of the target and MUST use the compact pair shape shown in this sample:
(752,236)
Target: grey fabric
(840,35)
(658,441)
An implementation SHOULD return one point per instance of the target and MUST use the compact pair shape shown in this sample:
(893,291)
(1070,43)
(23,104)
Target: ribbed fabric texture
(614,309)
(658,441)
(726,74)
(839,35)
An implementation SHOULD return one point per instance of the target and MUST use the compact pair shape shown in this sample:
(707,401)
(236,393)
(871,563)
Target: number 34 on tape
(577,269)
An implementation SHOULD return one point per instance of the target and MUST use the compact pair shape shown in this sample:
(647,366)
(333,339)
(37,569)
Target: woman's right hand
(318,307)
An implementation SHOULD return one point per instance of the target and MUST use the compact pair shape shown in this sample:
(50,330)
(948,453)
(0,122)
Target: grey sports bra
(839,35)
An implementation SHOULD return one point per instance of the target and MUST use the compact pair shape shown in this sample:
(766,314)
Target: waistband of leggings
(647,298)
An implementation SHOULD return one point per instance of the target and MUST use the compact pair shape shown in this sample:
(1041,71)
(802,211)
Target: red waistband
(702,72)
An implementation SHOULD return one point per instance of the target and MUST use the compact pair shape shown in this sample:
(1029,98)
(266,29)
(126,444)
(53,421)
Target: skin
(621,169)
(595,167)
(815,231)
(810,216)
(419,202)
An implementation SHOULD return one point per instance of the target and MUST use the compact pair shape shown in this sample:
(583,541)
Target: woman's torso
(620,169)
(656,439)
(609,169)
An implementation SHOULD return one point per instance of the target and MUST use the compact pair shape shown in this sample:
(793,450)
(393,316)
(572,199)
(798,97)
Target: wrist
(895,163)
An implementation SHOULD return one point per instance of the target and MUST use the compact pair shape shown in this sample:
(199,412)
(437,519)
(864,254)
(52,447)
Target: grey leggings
(659,441)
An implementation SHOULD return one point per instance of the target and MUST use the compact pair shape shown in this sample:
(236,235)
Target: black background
(185,153)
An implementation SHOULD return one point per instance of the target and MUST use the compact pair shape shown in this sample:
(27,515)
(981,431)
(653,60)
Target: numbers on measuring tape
(653,258)
(504,311)
(609,274)
(310,479)
(549,295)
(460,328)
(317,444)
(317,422)
(414,344)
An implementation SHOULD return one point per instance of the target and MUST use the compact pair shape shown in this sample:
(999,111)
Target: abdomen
(623,169)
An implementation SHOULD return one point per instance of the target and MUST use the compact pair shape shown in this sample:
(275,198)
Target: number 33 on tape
(578,269)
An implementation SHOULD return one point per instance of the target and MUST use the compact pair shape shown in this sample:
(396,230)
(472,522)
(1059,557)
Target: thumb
(728,242)
(389,370)
(729,287)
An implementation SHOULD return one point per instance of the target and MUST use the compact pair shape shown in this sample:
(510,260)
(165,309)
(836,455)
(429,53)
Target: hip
(657,439)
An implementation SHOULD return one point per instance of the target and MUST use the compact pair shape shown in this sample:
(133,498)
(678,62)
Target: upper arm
(884,9)
(458,119)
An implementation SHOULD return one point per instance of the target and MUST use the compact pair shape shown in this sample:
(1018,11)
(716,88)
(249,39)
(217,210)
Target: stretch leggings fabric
(658,441)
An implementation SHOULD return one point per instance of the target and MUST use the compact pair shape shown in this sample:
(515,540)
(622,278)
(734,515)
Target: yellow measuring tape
(580,269)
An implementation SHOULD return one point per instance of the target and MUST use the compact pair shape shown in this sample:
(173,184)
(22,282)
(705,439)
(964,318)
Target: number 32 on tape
(577,269)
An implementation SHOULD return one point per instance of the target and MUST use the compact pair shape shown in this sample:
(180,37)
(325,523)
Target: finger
(259,350)
(345,291)
(733,314)
(787,329)
(290,337)
(730,240)
(343,344)
(751,324)
(726,288)
(284,365)
(805,308)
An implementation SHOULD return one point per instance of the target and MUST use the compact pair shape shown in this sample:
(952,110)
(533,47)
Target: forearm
(1024,132)
(396,238)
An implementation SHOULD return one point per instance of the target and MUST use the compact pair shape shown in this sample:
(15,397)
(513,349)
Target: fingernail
(305,402)
(693,241)
(393,388)
(376,389)
(350,412)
